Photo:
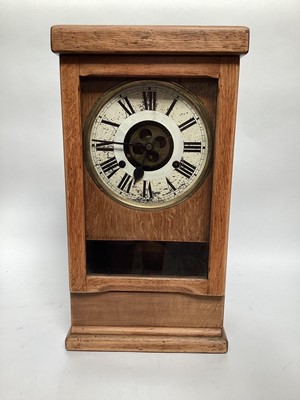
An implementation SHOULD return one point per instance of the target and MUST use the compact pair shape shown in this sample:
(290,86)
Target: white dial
(147,144)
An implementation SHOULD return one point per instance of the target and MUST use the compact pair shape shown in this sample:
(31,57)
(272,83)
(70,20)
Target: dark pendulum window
(147,258)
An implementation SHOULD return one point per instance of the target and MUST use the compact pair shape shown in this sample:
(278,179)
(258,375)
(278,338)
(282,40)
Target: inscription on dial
(170,185)
(192,147)
(149,98)
(172,106)
(147,190)
(187,124)
(110,167)
(126,105)
(186,169)
(111,123)
(126,183)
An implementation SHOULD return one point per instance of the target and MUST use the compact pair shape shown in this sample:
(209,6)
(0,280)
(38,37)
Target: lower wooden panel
(146,321)
(147,343)
(133,309)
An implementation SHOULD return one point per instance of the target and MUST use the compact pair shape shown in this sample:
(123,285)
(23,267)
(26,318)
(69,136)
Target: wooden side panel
(69,70)
(223,160)
(149,39)
(146,309)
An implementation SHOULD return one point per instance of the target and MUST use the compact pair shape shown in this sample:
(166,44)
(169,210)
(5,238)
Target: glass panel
(145,258)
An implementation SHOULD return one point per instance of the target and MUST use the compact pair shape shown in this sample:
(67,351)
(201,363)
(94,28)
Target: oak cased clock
(148,123)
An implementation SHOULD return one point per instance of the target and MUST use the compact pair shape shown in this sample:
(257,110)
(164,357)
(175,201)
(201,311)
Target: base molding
(146,340)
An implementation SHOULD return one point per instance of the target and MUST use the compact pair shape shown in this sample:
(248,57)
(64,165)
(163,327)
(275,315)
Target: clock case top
(94,57)
(135,39)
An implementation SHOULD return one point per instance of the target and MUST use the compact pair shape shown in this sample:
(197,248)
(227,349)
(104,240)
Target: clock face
(148,144)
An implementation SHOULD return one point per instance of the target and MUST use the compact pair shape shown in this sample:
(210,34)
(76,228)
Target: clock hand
(105,142)
(138,173)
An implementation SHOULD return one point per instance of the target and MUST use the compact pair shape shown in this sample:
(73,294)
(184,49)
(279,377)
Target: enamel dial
(148,144)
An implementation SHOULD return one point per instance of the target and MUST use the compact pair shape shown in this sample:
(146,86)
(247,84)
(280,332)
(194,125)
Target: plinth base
(145,341)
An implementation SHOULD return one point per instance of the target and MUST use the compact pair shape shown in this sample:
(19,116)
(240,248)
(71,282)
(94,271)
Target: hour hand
(138,173)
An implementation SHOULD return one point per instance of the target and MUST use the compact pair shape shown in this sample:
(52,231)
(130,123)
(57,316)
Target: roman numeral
(147,190)
(192,147)
(111,123)
(186,169)
(110,167)
(149,100)
(126,107)
(172,106)
(125,183)
(187,124)
(170,184)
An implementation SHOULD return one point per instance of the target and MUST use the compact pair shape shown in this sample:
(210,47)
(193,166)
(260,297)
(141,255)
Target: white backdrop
(263,297)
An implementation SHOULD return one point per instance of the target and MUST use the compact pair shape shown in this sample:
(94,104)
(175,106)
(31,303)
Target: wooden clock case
(138,312)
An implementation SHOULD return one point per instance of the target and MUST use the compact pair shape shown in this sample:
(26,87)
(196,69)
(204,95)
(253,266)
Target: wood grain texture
(106,220)
(147,343)
(145,330)
(72,133)
(143,66)
(206,40)
(222,172)
(133,309)
(98,283)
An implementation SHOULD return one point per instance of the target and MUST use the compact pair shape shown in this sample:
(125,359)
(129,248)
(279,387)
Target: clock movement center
(148,144)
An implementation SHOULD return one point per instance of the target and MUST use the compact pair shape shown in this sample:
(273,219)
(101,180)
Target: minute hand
(105,142)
